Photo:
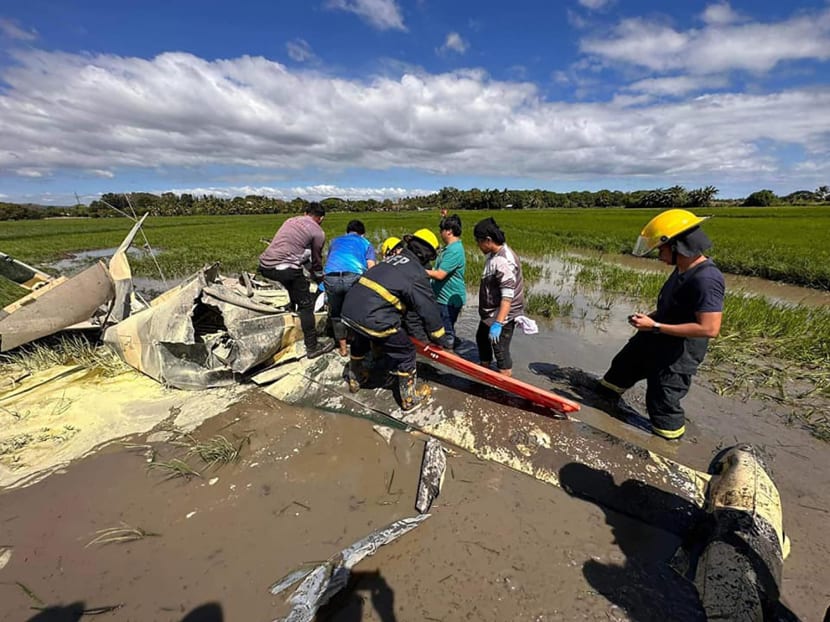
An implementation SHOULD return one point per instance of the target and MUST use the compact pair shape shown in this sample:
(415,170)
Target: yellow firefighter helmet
(427,236)
(663,228)
(388,245)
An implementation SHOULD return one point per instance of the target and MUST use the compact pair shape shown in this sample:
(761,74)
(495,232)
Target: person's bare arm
(707,325)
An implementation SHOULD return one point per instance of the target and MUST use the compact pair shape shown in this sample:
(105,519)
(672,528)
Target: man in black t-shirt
(672,340)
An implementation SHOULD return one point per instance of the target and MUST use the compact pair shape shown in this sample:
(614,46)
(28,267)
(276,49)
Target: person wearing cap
(298,241)
(448,275)
(349,256)
(500,296)
(375,308)
(671,341)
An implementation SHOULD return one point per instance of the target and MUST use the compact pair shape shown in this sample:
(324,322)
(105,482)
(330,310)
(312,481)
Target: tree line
(171,204)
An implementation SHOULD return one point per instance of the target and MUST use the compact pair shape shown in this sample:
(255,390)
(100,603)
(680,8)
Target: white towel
(528,326)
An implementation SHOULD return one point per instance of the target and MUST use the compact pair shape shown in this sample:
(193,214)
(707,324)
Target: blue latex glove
(321,287)
(495,332)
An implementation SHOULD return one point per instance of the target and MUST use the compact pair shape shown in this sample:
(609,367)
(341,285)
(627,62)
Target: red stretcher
(492,378)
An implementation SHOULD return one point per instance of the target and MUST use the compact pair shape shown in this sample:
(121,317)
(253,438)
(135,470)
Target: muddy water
(499,546)
(775,291)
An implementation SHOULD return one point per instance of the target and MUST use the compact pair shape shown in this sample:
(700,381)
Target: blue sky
(388,98)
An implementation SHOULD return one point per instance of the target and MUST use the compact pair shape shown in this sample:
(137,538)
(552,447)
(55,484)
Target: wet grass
(214,451)
(766,351)
(174,468)
(120,535)
(65,350)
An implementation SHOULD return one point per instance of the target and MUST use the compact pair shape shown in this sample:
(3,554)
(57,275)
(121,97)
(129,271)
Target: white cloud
(70,113)
(718,47)
(10,30)
(678,85)
(382,14)
(102,173)
(300,51)
(594,4)
(454,43)
(720,14)
(29,172)
(311,193)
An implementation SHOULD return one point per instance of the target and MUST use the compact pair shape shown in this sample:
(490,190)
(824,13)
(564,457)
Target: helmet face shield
(645,245)
(663,228)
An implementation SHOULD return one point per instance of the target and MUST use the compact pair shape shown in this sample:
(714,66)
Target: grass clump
(174,468)
(216,450)
(66,350)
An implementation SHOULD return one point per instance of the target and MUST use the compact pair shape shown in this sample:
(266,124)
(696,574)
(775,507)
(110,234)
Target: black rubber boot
(357,374)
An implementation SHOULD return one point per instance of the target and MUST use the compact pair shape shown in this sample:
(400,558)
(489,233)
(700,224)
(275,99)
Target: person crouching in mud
(375,310)
(671,341)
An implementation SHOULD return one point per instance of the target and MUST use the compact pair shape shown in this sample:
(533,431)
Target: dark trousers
(398,347)
(302,300)
(336,289)
(501,350)
(640,359)
(449,316)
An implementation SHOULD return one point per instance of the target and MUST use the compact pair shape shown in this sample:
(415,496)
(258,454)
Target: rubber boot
(412,394)
(358,375)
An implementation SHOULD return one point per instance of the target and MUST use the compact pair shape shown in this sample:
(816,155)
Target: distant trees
(171,204)
(761,198)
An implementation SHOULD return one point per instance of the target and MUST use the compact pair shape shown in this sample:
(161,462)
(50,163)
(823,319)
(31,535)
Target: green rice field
(789,244)
(765,349)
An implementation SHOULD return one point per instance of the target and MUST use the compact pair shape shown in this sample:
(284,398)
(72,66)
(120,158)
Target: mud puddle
(499,546)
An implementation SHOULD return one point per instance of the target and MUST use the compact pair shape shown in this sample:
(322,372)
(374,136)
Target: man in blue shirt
(448,276)
(349,256)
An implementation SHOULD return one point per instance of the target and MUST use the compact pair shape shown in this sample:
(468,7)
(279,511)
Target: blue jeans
(449,316)
(336,288)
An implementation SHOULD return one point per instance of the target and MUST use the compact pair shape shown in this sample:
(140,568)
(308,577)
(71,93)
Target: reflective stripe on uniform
(384,293)
(670,434)
(613,387)
(438,333)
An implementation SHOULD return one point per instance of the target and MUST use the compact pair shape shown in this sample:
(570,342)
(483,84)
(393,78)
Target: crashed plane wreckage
(212,331)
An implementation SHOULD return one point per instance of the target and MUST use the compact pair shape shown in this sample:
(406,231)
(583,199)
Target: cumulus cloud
(719,14)
(719,46)
(310,193)
(678,85)
(66,112)
(594,4)
(300,51)
(11,30)
(381,14)
(454,43)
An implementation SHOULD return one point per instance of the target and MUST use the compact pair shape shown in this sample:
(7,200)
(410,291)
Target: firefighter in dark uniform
(672,340)
(389,302)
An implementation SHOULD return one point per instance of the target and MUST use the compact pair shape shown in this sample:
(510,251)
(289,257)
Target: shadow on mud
(350,605)
(210,612)
(644,586)
(580,386)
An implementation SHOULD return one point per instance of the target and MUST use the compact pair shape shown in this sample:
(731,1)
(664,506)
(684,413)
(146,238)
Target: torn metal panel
(433,468)
(122,276)
(206,332)
(55,306)
(324,581)
(23,274)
